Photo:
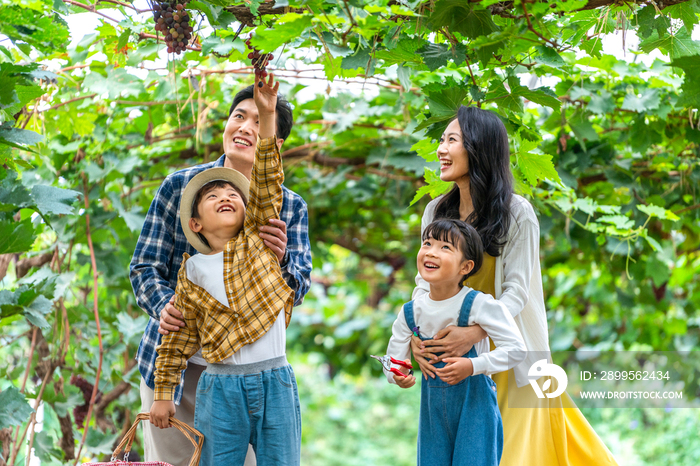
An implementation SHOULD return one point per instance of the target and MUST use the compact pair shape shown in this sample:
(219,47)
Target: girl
(474,154)
(459,419)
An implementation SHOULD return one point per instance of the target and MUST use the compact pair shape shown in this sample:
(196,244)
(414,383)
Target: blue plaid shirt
(158,255)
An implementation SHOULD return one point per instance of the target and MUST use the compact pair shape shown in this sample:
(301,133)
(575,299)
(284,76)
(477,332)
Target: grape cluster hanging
(174,22)
(258,60)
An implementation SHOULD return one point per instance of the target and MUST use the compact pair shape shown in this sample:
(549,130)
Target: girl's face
(454,162)
(440,262)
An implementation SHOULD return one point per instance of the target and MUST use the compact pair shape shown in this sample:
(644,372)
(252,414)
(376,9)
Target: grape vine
(174,22)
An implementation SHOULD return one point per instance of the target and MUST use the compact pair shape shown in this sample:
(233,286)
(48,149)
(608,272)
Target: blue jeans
(249,403)
(460,425)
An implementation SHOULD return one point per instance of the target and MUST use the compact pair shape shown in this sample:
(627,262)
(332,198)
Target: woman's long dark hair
(490,180)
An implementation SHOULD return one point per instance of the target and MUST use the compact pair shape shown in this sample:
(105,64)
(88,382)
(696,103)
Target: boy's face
(241,133)
(441,261)
(221,213)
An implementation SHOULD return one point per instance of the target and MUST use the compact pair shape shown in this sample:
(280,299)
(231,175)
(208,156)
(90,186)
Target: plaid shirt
(253,282)
(158,255)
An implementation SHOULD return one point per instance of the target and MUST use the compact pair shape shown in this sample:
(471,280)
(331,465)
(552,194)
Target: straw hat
(229,175)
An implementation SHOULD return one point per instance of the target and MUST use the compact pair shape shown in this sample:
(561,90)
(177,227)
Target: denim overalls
(459,424)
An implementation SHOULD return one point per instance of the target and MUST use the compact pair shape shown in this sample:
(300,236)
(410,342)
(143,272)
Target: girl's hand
(161,412)
(405,382)
(456,370)
(265,96)
(422,357)
(453,342)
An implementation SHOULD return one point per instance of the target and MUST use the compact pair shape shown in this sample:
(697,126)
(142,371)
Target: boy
(460,423)
(234,300)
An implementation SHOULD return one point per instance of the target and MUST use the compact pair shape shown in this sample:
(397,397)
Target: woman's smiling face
(454,161)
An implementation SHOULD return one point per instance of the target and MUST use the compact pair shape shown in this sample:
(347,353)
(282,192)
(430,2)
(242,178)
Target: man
(158,256)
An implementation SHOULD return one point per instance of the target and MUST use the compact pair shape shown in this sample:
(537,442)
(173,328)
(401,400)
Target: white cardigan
(518,281)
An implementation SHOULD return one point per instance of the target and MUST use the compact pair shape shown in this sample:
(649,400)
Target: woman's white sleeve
(520,254)
(495,319)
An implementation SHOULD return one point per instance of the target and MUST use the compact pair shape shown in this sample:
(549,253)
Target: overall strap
(408,314)
(463,320)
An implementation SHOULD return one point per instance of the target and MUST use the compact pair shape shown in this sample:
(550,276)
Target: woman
(474,154)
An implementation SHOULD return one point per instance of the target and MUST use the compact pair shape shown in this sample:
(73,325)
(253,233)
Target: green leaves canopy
(605,147)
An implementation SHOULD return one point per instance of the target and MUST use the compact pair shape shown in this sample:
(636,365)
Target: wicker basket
(128,440)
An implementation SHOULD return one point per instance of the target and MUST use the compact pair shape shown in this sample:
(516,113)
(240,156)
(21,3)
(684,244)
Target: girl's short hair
(461,235)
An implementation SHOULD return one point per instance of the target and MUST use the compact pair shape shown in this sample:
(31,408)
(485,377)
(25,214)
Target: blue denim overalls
(459,424)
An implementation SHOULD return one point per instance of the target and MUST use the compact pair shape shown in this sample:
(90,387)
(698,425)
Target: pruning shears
(387,361)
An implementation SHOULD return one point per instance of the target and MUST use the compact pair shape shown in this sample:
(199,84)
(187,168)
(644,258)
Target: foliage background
(605,147)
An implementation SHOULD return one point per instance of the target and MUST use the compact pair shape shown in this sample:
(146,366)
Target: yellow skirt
(554,434)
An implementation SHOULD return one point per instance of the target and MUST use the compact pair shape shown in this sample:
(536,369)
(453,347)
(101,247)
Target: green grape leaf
(435,186)
(549,56)
(53,201)
(435,55)
(362,60)
(583,129)
(36,311)
(542,96)
(445,98)
(17,136)
(594,47)
(268,40)
(28,301)
(686,12)
(535,167)
(16,237)
(405,51)
(648,22)
(648,99)
(461,17)
(404,75)
(678,45)
(14,408)
(25,94)
(690,64)
(656,211)
(427,149)
(123,39)
(620,222)
(602,103)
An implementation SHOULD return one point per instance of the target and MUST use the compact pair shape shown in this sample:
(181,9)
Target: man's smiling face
(241,133)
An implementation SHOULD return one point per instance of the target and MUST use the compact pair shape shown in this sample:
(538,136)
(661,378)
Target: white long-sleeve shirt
(432,316)
(518,281)
(207,271)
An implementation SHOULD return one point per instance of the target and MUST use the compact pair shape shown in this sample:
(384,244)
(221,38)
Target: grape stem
(143,35)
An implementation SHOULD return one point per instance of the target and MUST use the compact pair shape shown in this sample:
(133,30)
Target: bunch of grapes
(258,60)
(173,21)
(79,412)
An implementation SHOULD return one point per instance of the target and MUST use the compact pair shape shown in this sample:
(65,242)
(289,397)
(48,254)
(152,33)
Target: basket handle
(187,431)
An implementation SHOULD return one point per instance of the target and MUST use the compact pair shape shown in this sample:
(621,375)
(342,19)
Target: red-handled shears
(387,361)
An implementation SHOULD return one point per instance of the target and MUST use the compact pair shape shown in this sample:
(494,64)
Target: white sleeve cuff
(480,364)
